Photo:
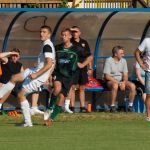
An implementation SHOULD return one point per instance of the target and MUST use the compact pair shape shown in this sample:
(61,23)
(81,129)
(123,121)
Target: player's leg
(25,108)
(67,102)
(34,109)
(57,88)
(8,87)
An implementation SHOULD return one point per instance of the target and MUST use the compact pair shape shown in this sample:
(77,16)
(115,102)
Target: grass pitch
(90,131)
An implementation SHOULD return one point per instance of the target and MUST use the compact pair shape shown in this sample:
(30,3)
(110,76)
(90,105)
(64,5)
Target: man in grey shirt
(116,76)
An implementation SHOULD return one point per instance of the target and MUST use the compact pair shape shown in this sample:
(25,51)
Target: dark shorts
(16,89)
(139,86)
(65,82)
(81,77)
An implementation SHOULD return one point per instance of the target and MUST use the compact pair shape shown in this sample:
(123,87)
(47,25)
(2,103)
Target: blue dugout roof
(102,28)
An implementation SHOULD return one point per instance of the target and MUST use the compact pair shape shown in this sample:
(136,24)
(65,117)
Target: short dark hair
(47,27)
(75,27)
(66,30)
(15,50)
(116,49)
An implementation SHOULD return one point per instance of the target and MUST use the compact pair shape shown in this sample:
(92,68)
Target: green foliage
(31,6)
(64,4)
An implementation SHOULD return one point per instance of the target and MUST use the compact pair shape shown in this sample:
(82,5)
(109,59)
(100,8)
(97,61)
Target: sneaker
(48,122)
(83,110)
(67,110)
(72,109)
(47,114)
(36,111)
(27,125)
(130,109)
(112,109)
(147,118)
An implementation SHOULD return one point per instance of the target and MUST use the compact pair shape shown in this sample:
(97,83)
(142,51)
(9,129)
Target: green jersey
(66,60)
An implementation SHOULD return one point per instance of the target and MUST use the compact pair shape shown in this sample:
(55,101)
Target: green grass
(92,131)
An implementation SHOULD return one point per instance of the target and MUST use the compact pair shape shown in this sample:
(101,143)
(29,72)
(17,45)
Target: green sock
(56,111)
(52,101)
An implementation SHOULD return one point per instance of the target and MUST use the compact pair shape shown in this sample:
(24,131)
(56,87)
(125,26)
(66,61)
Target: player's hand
(80,65)
(122,86)
(90,72)
(144,66)
(32,76)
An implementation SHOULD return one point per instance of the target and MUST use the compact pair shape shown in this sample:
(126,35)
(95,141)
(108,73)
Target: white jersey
(47,51)
(145,46)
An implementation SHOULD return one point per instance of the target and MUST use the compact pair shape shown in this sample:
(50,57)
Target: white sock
(67,103)
(131,104)
(6,88)
(34,107)
(26,112)
(1,105)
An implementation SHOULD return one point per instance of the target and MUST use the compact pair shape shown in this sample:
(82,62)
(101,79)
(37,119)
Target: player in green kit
(66,67)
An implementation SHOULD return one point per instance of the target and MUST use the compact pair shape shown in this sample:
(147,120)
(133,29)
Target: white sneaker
(47,114)
(27,125)
(147,118)
(36,111)
(68,111)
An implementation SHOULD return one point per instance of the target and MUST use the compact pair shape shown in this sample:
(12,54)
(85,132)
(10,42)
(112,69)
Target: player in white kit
(33,77)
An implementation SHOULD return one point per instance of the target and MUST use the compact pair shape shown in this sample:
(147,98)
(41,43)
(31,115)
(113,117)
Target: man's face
(66,36)
(44,34)
(76,33)
(119,54)
(14,58)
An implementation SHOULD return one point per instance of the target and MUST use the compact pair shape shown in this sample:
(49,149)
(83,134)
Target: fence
(115,3)
(30,3)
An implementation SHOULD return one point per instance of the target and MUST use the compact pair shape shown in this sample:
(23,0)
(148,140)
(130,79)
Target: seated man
(116,76)
(10,66)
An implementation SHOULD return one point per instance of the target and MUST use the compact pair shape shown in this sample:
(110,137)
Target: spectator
(145,47)
(10,66)
(138,77)
(81,77)
(116,77)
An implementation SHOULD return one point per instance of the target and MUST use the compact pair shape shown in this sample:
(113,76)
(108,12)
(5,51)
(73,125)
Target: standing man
(82,76)
(33,77)
(116,76)
(145,47)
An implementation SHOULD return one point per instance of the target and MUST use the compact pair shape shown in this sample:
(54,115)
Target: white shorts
(30,85)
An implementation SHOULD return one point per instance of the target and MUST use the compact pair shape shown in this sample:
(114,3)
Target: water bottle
(126,103)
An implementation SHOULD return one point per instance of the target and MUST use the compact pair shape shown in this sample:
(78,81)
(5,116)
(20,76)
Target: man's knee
(57,90)
(132,86)
(81,87)
(114,86)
